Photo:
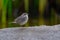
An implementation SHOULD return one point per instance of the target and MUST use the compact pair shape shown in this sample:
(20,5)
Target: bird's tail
(12,22)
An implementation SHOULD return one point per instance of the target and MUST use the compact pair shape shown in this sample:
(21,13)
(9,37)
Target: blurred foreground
(42,32)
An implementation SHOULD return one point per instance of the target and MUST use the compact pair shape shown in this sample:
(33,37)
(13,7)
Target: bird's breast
(24,20)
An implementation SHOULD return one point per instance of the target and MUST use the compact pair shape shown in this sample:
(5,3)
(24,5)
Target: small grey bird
(21,20)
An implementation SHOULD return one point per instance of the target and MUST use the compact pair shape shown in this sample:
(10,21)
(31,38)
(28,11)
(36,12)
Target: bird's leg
(22,25)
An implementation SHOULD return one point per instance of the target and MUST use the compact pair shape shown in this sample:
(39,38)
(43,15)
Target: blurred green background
(41,12)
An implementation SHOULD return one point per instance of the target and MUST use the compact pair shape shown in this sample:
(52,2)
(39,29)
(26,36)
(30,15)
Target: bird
(21,20)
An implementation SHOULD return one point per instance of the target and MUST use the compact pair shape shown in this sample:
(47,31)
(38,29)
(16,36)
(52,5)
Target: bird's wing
(17,18)
(21,20)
